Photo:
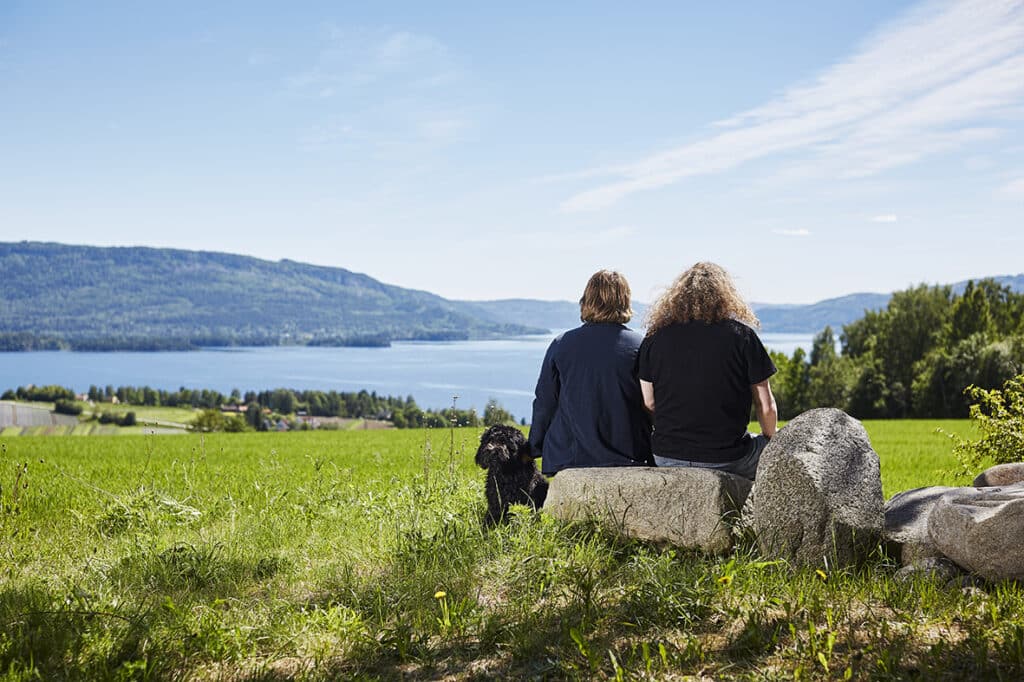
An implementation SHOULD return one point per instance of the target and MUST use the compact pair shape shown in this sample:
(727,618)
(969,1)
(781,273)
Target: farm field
(36,419)
(360,555)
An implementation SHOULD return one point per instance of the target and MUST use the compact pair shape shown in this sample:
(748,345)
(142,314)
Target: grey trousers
(745,466)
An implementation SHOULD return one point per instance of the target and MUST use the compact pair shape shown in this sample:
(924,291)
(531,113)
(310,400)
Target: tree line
(915,358)
(402,412)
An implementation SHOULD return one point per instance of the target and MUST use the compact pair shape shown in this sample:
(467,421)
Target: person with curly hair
(701,367)
(588,410)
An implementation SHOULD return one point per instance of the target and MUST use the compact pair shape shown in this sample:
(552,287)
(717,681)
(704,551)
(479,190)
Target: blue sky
(494,150)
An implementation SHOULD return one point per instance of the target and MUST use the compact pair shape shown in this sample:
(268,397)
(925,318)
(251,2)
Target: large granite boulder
(817,499)
(981,529)
(906,524)
(683,506)
(1000,475)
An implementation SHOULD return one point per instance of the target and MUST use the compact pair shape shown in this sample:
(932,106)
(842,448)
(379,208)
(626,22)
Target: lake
(432,372)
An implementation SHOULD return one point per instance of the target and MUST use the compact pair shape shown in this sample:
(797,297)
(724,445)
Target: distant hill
(784,318)
(152,299)
(552,315)
(137,298)
(835,312)
(813,317)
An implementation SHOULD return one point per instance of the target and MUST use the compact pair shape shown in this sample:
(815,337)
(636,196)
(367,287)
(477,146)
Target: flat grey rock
(683,506)
(981,529)
(939,568)
(906,523)
(1000,475)
(817,499)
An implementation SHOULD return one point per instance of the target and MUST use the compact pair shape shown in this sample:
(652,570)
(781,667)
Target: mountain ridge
(56,295)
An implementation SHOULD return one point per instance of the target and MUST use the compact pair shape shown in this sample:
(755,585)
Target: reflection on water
(432,372)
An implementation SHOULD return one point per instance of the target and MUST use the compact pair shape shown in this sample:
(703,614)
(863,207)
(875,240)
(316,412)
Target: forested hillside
(913,358)
(55,295)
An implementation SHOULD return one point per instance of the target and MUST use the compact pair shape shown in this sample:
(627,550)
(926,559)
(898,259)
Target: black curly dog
(512,476)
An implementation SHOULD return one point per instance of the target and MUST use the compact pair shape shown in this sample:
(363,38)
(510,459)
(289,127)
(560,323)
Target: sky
(509,150)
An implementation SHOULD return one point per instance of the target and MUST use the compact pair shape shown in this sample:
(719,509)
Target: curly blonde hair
(705,292)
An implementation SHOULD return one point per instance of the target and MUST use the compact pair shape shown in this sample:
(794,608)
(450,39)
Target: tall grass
(361,555)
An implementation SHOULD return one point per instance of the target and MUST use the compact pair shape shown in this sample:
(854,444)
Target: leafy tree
(254,416)
(207,421)
(823,347)
(999,416)
(67,407)
(830,382)
(869,395)
(945,373)
(495,414)
(970,315)
(235,424)
(791,384)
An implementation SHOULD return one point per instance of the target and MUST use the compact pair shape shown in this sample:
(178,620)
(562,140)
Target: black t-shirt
(702,374)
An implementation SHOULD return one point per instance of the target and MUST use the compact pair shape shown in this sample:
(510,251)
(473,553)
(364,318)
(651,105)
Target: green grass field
(360,555)
(179,415)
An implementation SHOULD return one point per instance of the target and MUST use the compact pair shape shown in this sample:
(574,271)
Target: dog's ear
(483,458)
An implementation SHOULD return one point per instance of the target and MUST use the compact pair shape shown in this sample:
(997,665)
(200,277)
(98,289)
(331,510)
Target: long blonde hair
(705,292)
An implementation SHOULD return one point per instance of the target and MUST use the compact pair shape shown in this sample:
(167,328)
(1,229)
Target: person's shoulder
(631,334)
(743,331)
(738,327)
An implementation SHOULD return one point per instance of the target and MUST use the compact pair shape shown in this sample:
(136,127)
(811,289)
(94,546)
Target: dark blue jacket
(588,410)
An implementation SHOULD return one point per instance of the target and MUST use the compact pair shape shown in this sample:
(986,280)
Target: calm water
(431,372)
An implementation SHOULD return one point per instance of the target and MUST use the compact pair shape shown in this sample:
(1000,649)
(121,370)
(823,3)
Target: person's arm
(647,388)
(764,405)
(545,401)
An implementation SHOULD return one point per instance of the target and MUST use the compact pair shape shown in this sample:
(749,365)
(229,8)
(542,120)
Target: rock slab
(817,499)
(906,523)
(683,506)
(1000,475)
(982,529)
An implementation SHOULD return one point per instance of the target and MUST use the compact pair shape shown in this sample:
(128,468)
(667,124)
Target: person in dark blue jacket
(588,410)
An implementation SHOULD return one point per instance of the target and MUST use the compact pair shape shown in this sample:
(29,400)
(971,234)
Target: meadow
(361,555)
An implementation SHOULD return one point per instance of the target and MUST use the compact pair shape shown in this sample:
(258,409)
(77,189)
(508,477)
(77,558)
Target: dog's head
(500,445)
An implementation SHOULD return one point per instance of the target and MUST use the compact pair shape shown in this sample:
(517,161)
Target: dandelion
(445,621)
(725,580)
(822,574)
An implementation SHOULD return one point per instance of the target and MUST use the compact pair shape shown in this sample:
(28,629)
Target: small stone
(940,568)
(1000,475)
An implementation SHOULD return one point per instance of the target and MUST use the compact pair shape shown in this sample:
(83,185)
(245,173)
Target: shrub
(207,421)
(67,407)
(999,416)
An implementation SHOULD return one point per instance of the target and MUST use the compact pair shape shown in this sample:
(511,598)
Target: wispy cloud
(1013,189)
(938,79)
(799,232)
(395,87)
(885,218)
